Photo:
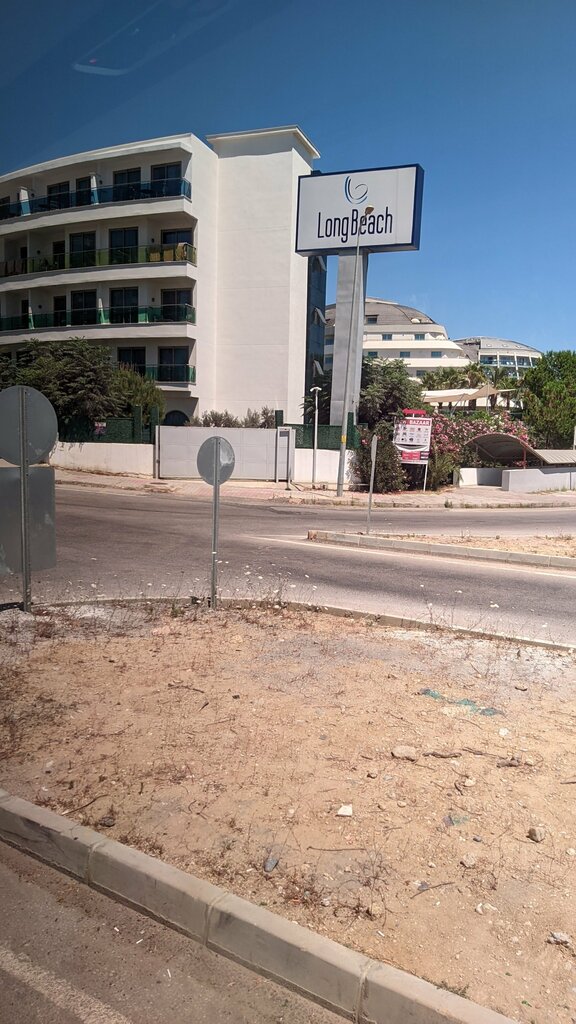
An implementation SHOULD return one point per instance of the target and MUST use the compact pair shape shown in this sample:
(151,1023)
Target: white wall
(326,466)
(99,457)
(484,476)
(541,478)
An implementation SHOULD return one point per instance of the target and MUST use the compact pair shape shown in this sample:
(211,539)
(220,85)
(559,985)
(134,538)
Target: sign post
(215,462)
(412,434)
(373,450)
(28,432)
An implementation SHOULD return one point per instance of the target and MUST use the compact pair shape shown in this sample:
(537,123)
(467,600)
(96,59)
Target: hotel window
(123,305)
(418,337)
(404,354)
(175,303)
(372,355)
(83,191)
(173,364)
(58,195)
(123,245)
(127,184)
(134,358)
(371,319)
(386,337)
(165,179)
(83,249)
(435,354)
(84,310)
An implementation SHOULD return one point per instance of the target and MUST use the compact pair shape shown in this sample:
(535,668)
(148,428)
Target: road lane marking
(88,1009)
(566,574)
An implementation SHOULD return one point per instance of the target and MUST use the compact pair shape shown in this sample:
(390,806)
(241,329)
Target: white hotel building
(176,254)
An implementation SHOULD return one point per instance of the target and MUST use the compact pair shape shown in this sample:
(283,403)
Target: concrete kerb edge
(338,978)
(446,550)
(384,618)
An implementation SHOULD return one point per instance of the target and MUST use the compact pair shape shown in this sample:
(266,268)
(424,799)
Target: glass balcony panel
(125,193)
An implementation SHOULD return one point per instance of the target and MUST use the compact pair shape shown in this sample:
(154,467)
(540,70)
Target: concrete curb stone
(344,981)
(447,550)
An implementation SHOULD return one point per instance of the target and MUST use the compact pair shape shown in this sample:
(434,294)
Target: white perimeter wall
(484,476)
(326,466)
(99,457)
(541,478)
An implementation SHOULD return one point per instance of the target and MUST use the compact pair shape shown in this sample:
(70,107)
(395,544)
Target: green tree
(450,377)
(548,393)
(389,476)
(386,389)
(80,380)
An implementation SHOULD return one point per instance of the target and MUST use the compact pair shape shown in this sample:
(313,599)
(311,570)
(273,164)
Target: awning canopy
(508,449)
(459,396)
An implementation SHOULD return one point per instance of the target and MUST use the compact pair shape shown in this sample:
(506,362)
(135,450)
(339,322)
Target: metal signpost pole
(347,378)
(24,504)
(425,475)
(315,392)
(215,514)
(373,450)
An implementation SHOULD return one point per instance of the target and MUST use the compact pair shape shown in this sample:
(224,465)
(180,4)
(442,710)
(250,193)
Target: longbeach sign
(330,209)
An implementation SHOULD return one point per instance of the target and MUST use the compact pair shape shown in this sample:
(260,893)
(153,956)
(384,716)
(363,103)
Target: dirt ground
(228,743)
(554,545)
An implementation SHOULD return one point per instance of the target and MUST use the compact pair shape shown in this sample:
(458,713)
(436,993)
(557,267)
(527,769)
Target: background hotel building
(176,254)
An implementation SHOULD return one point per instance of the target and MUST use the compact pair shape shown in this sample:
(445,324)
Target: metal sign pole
(24,505)
(373,450)
(425,475)
(215,515)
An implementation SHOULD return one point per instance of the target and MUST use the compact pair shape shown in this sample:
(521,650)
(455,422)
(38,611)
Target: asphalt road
(69,955)
(114,544)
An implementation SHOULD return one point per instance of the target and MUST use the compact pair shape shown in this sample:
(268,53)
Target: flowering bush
(451,436)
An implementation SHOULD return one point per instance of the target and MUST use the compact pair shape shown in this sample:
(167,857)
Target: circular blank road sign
(206,458)
(41,425)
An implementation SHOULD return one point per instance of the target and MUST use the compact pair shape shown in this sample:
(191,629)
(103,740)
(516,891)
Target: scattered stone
(325,902)
(476,839)
(469,782)
(510,762)
(290,812)
(108,821)
(372,775)
(503,732)
(375,910)
(402,803)
(559,939)
(536,833)
(345,811)
(270,863)
(48,767)
(520,686)
(402,753)
(469,860)
(529,761)
(479,908)
(571,851)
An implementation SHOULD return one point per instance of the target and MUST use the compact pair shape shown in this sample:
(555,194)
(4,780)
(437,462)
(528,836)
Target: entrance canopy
(508,449)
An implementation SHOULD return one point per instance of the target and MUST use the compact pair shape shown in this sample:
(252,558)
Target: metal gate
(261,454)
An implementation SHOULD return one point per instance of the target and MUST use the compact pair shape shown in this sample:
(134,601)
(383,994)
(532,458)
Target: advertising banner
(412,438)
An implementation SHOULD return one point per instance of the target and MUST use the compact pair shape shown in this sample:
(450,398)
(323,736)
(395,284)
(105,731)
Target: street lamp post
(315,391)
(347,378)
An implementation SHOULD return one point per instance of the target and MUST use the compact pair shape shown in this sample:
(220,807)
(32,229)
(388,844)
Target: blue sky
(481,93)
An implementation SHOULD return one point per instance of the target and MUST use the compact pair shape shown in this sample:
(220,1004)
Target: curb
(358,540)
(347,983)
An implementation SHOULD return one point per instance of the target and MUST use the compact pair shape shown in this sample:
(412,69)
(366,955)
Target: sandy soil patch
(234,745)
(553,545)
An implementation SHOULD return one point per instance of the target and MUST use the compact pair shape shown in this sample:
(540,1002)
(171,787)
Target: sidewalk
(303,494)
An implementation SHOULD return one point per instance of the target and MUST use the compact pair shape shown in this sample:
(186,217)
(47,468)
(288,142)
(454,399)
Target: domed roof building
(513,356)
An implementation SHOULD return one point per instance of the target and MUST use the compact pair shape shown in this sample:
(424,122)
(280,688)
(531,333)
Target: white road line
(566,574)
(65,996)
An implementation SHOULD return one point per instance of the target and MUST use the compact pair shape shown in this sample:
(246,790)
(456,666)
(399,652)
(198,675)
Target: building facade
(176,254)
(512,356)
(393,331)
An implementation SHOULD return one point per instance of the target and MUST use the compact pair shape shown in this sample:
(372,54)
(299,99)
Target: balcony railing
(163,373)
(180,253)
(134,192)
(163,314)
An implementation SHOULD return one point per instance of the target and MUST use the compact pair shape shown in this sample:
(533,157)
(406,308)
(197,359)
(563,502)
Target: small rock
(479,908)
(559,939)
(325,902)
(469,860)
(402,753)
(290,812)
(108,821)
(48,767)
(402,803)
(476,839)
(520,686)
(270,863)
(503,732)
(571,851)
(529,761)
(536,833)
(375,910)
(345,811)
(372,775)
(469,782)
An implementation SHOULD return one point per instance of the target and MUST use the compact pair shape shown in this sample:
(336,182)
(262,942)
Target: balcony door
(83,249)
(127,185)
(84,309)
(60,313)
(133,358)
(165,179)
(123,305)
(173,364)
(123,245)
(176,303)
